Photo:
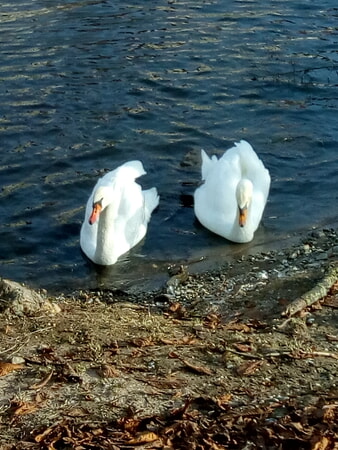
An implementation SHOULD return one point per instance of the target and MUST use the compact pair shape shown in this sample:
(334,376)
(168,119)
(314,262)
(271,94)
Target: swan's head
(101,200)
(243,197)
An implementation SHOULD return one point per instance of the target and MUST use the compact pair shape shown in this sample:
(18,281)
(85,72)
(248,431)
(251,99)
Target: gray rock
(21,301)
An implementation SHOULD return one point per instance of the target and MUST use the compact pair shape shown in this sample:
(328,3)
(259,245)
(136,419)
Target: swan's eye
(98,203)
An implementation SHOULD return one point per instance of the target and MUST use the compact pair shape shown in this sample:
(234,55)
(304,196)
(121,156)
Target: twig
(26,337)
(315,294)
(18,347)
(243,354)
(299,354)
(295,354)
(43,382)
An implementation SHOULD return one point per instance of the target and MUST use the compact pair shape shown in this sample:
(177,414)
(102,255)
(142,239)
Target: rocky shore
(213,360)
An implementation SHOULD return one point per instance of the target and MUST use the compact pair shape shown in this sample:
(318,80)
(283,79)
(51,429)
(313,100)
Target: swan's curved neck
(105,231)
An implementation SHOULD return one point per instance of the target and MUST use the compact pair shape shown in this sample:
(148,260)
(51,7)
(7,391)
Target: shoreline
(207,361)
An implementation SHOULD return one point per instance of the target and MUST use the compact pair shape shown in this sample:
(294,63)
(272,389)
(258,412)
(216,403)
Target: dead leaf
(77,412)
(129,424)
(143,342)
(173,355)
(143,438)
(114,348)
(331,301)
(330,413)
(223,400)
(186,340)
(201,370)
(248,368)
(6,368)
(174,307)
(108,371)
(179,412)
(236,326)
(212,321)
(169,382)
(323,444)
(332,338)
(22,408)
(41,437)
(177,310)
(245,348)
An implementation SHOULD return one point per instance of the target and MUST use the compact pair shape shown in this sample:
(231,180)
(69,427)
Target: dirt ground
(211,361)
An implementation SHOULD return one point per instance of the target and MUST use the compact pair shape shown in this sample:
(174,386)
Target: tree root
(315,294)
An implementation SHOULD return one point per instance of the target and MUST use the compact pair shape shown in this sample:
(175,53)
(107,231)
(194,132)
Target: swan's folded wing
(151,201)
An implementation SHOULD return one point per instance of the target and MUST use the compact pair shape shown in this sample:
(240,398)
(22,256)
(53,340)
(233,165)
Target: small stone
(310,320)
(18,360)
(333,251)
(307,248)
(263,275)
(318,234)
(322,256)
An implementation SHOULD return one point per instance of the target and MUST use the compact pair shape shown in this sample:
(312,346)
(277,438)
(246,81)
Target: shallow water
(87,85)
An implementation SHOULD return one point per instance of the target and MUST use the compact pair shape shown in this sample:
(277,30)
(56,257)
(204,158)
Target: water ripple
(87,85)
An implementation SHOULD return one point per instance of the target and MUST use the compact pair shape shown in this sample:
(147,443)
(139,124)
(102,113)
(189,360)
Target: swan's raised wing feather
(207,164)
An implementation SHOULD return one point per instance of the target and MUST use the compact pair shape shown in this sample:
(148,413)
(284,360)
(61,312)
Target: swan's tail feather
(151,201)
(207,163)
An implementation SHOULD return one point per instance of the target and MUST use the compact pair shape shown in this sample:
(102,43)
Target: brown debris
(177,310)
(185,340)
(201,370)
(212,321)
(248,368)
(108,371)
(6,368)
(143,438)
(237,326)
(43,382)
(202,424)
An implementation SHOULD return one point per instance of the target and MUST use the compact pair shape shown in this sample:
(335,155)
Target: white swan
(117,214)
(232,198)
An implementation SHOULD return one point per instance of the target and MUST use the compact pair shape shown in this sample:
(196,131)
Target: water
(88,85)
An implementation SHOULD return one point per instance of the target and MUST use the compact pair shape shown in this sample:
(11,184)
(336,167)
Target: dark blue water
(88,85)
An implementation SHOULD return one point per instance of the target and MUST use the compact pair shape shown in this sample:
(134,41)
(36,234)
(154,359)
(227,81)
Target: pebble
(322,256)
(333,251)
(18,360)
(307,248)
(318,234)
(263,275)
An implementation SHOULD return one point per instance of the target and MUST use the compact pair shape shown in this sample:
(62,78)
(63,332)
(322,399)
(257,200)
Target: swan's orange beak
(243,215)
(97,207)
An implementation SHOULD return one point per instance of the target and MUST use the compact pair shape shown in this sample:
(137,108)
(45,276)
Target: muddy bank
(210,361)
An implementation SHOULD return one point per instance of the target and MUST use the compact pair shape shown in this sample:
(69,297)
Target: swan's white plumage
(123,220)
(225,181)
